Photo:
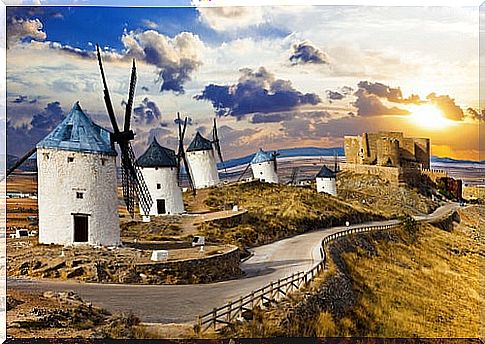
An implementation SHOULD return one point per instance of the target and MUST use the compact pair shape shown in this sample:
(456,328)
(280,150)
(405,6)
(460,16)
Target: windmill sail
(217,144)
(134,187)
(181,153)
(21,160)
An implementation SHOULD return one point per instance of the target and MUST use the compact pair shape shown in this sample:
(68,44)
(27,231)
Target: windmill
(181,153)
(134,187)
(264,166)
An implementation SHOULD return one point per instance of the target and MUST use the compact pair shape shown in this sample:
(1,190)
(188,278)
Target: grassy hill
(276,211)
(416,281)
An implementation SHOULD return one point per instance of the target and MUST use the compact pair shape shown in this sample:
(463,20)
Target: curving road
(182,303)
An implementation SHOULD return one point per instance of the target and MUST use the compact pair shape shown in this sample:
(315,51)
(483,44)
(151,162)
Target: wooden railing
(276,290)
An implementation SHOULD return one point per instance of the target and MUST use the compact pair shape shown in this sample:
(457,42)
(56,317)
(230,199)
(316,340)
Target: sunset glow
(429,117)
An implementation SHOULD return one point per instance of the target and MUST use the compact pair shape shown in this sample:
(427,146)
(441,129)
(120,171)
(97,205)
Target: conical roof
(199,143)
(262,156)
(77,132)
(325,172)
(157,156)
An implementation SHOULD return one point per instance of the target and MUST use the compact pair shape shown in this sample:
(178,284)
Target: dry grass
(429,289)
(277,211)
(425,284)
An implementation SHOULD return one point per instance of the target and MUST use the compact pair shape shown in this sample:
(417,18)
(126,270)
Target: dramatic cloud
(147,112)
(21,138)
(447,106)
(368,104)
(19,29)
(391,94)
(176,58)
(256,92)
(305,52)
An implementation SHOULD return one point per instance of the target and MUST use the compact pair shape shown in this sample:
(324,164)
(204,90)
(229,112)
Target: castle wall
(423,151)
(59,182)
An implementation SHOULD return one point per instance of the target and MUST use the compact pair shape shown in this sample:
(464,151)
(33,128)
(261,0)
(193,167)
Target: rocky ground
(26,258)
(389,199)
(64,315)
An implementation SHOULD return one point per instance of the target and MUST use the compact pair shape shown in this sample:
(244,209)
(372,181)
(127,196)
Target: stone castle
(389,149)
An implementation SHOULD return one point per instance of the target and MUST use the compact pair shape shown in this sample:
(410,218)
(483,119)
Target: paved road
(182,303)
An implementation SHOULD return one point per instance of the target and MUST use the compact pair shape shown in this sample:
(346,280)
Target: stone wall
(434,175)
(219,267)
(391,174)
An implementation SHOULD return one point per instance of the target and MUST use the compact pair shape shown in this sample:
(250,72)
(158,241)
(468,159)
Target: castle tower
(388,152)
(263,166)
(77,188)
(202,162)
(327,181)
(159,168)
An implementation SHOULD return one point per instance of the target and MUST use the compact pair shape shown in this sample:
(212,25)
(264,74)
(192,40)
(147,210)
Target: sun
(429,117)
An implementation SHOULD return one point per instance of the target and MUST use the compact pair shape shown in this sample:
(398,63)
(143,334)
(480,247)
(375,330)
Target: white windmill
(77,196)
(327,181)
(202,161)
(160,167)
(263,166)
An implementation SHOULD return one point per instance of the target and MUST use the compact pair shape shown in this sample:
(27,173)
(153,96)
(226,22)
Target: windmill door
(161,206)
(80,228)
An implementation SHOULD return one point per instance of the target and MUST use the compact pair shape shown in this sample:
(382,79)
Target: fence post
(229,304)
(252,299)
(214,317)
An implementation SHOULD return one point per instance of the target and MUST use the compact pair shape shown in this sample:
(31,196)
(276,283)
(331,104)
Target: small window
(156,168)
(46,155)
(80,195)
(261,173)
(103,161)
(159,186)
(70,159)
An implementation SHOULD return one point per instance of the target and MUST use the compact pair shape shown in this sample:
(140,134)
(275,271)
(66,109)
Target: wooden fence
(276,290)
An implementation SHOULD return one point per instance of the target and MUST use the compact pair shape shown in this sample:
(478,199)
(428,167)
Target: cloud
(23,137)
(149,24)
(476,114)
(270,118)
(447,106)
(175,58)
(19,29)
(230,18)
(147,112)
(391,94)
(305,52)
(256,92)
(368,104)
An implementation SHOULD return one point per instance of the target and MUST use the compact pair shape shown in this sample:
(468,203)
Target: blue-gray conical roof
(325,172)
(78,133)
(199,143)
(157,156)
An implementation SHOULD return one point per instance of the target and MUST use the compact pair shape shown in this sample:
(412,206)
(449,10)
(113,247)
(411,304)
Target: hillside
(415,281)
(275,211)
(387,198)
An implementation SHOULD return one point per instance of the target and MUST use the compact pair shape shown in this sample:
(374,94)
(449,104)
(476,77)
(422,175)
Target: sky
(274,77)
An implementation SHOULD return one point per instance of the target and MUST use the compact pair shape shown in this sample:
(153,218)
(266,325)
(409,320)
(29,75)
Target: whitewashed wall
(327,185)
(265,171)
(58,182)
(203,168)
(169,189)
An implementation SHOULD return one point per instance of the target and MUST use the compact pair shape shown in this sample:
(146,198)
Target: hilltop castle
(389,149)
